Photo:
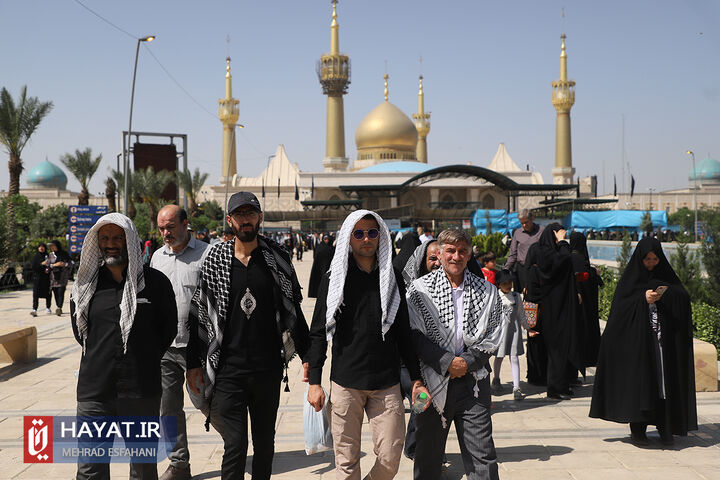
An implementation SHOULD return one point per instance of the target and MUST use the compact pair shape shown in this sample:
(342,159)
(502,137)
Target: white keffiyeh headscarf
(389,293)
(91,260)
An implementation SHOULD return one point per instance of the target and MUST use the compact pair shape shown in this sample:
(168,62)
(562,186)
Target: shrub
(706,321)
(491,243)
(607,291)
(142,220)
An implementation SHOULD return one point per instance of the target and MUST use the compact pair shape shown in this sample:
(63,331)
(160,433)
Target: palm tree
(17,124)
(191,184)
(119,179)
(149,186)
(83,167)
(110,191)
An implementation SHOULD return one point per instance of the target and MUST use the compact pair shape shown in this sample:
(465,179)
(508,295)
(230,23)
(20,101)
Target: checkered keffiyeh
(210,302)
(389,293)
(86,281)
(431,313)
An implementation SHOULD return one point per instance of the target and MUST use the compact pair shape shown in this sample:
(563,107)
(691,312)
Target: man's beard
(244,235)
(116,259)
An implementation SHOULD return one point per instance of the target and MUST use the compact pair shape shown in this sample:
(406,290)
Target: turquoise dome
(397,167)
(47,175)
(708,169)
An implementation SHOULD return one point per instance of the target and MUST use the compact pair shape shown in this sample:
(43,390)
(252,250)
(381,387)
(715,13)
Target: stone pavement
(535,439)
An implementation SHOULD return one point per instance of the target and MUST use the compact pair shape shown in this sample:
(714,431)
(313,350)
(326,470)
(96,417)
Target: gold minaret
(422,124)
(333,71)
(563,98)
(229,112)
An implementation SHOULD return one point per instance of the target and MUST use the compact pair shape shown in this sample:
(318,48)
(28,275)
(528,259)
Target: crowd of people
(421,314)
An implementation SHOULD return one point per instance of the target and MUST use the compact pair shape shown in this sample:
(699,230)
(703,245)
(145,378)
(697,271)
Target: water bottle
(420,401)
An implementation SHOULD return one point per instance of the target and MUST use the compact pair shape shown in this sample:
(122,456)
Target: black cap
(240,199)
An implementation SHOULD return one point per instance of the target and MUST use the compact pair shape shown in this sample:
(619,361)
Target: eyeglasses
(372,234)
(245,214)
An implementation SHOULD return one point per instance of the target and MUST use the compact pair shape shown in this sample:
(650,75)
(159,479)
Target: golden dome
(386,126)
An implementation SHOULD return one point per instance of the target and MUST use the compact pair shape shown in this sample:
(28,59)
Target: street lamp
(126,189)
(690,152)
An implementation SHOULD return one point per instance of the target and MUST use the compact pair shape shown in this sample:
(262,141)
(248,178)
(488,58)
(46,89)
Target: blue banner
(87,209)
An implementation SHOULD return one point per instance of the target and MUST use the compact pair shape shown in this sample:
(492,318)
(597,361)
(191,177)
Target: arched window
(447,201)
(488,202)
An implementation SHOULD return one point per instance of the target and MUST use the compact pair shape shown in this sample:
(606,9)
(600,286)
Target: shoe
(58,311)
(518,394)
(47,310)
(639,439)
(559,396)
(33,313)
(496,386)
(666,438)
(176,473)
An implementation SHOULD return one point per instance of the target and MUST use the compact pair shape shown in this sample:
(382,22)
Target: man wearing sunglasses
(245,325)
(361,307)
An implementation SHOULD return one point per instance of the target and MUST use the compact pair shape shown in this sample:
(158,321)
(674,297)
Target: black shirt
(361,359)
(251,342)
(106,373)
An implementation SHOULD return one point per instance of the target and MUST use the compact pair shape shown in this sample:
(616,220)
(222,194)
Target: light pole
(690,152)
(650,190)
(126,189)
(265,183)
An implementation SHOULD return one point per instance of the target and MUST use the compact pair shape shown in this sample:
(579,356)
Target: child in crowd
(512,341)
(489,267)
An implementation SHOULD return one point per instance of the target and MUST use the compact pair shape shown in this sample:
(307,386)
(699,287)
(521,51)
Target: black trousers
(37,294)
(59,293)
(406,389)
(474,431)
(258,395)
(149,407)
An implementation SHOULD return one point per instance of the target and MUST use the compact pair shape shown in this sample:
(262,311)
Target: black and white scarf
(389,293)
(87,276)
(211,301)
(432,313)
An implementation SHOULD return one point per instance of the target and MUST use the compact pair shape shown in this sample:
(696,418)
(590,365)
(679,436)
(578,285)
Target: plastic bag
(317,427)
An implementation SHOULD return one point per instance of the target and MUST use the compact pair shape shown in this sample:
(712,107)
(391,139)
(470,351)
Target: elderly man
(361,307)
(245,326)
(124,316)
(522,239)
(457,325)
(179,259)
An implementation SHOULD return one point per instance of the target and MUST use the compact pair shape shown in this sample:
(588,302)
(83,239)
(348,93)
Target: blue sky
(487,67)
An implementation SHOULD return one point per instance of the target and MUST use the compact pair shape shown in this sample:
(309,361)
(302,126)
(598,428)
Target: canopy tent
(613,220)
(500,221)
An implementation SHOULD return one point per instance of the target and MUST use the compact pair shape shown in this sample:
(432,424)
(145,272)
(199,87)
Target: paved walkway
(535,439)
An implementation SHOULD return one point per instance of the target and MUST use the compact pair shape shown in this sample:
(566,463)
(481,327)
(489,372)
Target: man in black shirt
(245,325)
(361,306)
(124,316)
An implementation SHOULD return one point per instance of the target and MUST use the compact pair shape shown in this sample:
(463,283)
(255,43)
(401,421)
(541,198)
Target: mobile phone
(661,289)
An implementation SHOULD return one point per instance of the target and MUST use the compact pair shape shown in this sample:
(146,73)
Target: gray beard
(113,260)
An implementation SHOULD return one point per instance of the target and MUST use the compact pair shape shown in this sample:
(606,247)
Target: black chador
(645,372)
(587,282)
(322,257)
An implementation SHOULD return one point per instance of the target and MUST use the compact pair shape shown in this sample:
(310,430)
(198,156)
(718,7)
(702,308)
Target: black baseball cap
(240,199)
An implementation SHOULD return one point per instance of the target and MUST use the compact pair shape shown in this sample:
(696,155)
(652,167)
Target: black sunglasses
(360,234)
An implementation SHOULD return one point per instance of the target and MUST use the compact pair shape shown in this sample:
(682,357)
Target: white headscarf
(389,293)
(91,259)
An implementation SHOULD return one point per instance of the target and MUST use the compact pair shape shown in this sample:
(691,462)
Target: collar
(461,287)
(191,244)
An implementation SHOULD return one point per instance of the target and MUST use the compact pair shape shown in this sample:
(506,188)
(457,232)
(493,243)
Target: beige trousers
(386,413)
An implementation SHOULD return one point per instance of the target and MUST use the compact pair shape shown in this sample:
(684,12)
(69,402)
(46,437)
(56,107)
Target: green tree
(119,178)
(110,193)
(50,222)
(683,217)
(149,186)
(83,166)
(142,220)
(24,212)
(687,268)
(18,122)
(710,250)
(191,183)
(213,210)
(646,223)
(625,252)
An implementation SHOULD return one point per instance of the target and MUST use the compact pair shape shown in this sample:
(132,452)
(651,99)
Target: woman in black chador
(41,279)
(645,372)
(587,282)
(322,257)
(552,286)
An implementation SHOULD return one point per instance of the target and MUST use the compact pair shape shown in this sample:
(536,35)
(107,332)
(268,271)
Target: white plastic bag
(316,426)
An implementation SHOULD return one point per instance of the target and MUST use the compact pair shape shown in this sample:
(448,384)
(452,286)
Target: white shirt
(459,311)
(183,270)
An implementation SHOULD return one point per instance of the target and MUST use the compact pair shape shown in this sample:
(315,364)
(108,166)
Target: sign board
(393,223)
(466,224)
(81,218)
